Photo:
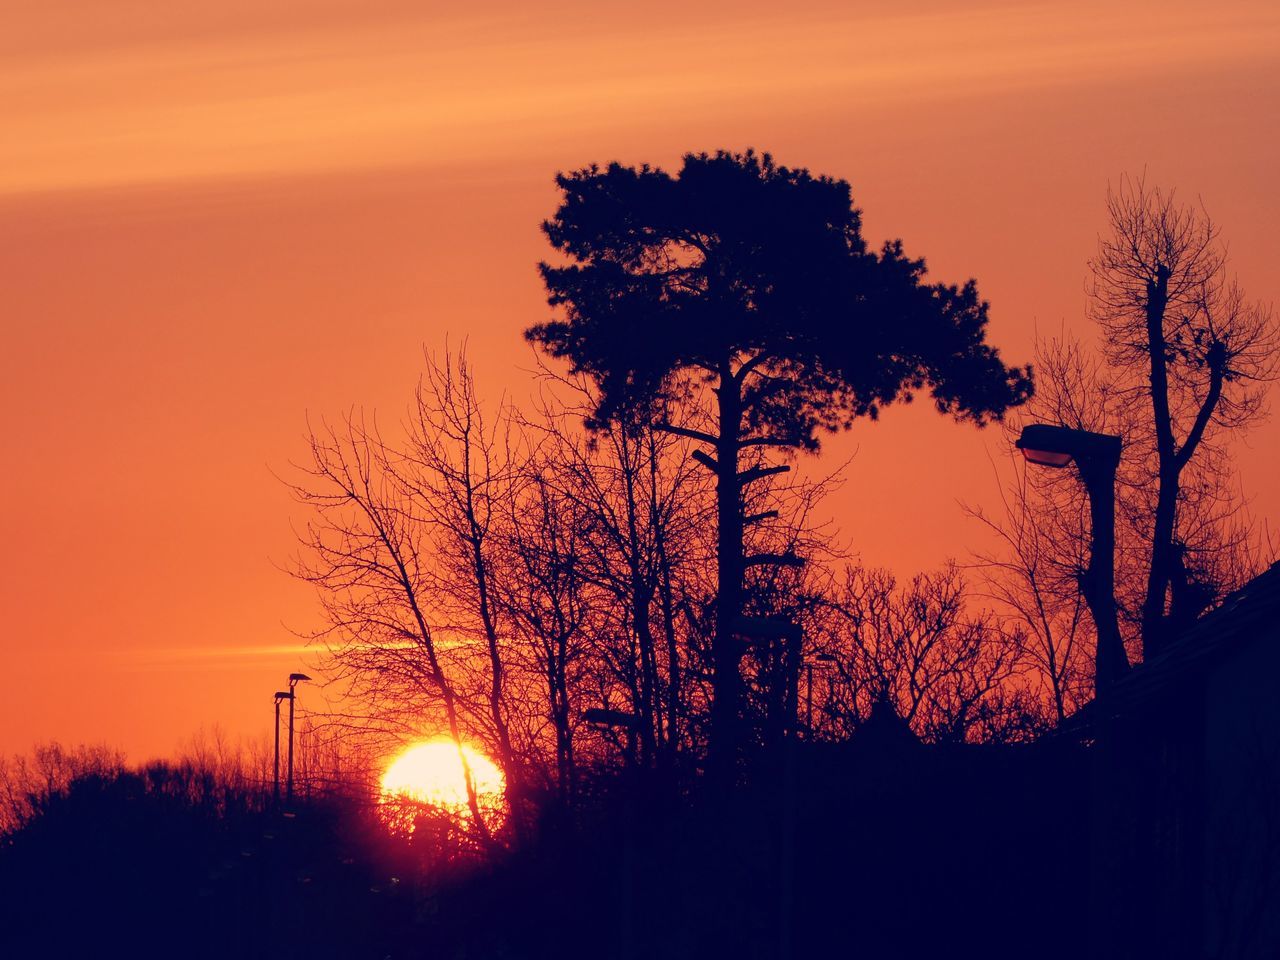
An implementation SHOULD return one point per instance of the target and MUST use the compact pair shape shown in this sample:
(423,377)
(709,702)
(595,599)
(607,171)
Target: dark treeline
(189,857)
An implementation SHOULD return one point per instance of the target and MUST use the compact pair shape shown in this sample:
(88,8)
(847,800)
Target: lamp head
(1053,446)
(1046,458)
(604,717)
(295,677)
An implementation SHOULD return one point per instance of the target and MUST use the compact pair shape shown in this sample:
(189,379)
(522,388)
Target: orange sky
(221,216)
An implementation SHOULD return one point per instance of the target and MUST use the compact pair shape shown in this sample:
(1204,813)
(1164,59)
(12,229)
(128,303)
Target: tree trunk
(673,649)
(641,596)
(726,650)
(1158,577)
(1153,605)
(485,604)
(558,692)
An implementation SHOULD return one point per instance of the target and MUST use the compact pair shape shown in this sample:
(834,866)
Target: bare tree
(1184,364)
(642,508)
(1190,357)
(367,553)
(950,672)
(458,469)
(1036,579)
(753,282)
(547,599)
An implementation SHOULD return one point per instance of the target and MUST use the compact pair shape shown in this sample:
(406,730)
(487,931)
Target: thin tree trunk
(727,681)
(446,693)
(673,648)
(480,568)
(1160,571)
(641,598)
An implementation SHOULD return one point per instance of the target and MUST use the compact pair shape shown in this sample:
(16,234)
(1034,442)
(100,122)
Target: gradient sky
(216,217)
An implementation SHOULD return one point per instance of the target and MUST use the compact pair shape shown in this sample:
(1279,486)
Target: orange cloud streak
(408,88)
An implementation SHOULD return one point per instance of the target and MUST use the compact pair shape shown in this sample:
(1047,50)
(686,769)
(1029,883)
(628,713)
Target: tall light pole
(279,695)
(294,679)
(1096,456)
(827,660)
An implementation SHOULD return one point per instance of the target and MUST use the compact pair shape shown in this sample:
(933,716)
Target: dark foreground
(901,852)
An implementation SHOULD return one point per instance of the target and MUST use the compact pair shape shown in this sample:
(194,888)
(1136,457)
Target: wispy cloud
(236,656)
(208,657)
(407,89)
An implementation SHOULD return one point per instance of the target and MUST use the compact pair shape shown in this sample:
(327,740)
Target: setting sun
(432,773)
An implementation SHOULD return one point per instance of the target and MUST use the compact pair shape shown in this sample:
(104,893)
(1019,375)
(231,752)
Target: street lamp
(294,680)
(827,660)
(615,719)
(1096,456)
(279,695)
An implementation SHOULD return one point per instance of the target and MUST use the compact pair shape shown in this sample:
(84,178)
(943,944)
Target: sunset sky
(219,217)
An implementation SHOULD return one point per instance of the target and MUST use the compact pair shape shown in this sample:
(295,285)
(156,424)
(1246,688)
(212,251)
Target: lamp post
(620,719)
(1096,456)
(827,660)
(279,695)
(294,680)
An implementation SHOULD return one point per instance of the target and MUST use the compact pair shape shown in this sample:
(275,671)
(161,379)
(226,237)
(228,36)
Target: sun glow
(432,773)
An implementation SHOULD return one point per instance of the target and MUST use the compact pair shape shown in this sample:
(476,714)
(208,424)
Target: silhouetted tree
(753,280)
(548,601)
(460,469)
(368,553)
(1183,367)
(643,548)
(1035,576)
(1190,357)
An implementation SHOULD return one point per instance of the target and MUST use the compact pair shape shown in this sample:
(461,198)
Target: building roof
(1248,615)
